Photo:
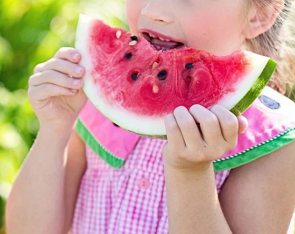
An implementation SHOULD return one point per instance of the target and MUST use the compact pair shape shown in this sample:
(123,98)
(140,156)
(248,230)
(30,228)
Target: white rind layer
(145,125)
(245,83)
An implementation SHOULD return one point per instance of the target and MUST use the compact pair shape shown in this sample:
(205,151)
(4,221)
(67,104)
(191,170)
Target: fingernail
(76,81)
(75,56)
(78,70)
(169,117)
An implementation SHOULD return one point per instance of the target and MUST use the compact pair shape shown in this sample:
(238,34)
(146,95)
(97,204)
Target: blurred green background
(30,33)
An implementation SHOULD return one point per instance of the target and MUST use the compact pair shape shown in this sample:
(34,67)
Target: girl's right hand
(55,91)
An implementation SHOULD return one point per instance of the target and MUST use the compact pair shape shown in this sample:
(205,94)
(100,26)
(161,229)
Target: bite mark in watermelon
(136,85)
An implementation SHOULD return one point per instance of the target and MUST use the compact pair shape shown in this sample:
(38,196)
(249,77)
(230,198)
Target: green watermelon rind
(255,89)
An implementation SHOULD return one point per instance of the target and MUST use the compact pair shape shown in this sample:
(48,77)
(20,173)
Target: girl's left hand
(198,136)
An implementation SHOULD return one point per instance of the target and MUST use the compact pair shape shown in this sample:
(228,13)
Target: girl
(68,184)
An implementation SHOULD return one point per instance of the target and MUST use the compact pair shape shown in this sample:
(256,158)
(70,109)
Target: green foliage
(30,33)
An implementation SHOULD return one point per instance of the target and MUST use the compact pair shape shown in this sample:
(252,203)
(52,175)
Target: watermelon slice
(135,84)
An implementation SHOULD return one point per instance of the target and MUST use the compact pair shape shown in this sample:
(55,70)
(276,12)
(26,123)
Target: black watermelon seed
(162,75)
(134,38)
(128,56)
(134,76)
(189,66)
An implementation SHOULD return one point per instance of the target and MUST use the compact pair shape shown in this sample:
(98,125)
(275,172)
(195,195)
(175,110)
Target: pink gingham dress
(123,188)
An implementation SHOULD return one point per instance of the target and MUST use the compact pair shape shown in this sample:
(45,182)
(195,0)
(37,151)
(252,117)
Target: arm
(193,205)
(36,203)
(259,197)
(75,169)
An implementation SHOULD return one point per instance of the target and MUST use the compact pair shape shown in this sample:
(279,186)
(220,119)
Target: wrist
(53,135)
(201,168)
(186,166)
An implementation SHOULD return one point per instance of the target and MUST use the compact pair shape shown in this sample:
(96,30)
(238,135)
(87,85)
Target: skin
(209,29)
(58,154)
(56,161)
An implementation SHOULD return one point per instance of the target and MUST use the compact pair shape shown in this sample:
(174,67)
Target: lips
(160,41)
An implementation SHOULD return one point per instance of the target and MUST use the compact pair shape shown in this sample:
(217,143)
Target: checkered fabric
(128,200)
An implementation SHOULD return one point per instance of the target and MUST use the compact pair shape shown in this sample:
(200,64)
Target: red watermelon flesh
(127,75)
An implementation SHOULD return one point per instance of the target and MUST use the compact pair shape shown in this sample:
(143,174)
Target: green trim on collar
(90,140)
(255,152)
(222,164)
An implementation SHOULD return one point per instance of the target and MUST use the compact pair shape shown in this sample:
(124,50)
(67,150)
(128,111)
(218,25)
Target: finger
(188,128)
(174,136)
(57,78)
(209,123)
(62,66)
(46,91)
(228,123)
(243,124)
(68,53)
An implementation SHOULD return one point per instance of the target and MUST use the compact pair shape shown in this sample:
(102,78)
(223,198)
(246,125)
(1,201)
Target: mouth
(161,42)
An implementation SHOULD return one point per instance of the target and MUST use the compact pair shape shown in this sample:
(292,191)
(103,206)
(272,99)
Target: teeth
(152,36)
(161,38)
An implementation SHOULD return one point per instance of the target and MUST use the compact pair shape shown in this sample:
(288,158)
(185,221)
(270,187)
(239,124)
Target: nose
(155,11)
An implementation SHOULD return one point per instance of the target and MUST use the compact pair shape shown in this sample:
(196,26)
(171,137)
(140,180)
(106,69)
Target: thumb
(243,123)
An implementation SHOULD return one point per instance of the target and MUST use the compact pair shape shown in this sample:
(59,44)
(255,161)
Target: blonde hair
(279,43)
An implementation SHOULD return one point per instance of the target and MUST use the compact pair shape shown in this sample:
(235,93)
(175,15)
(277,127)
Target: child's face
(213,25)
